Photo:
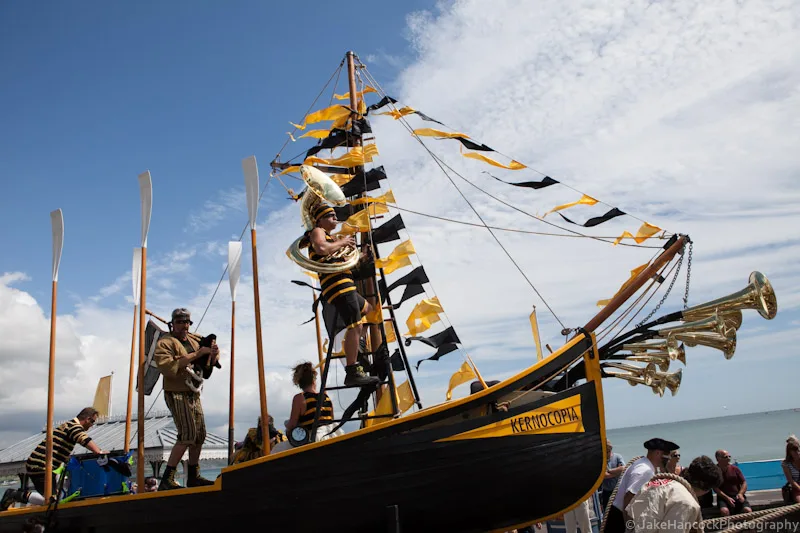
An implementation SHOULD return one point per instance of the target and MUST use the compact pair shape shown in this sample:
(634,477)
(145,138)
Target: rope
(751,520)
(614,494)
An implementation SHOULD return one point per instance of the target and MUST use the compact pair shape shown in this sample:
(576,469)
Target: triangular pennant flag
(389,329)
(359,94)
(462,375)
(360,223)
(513,165)
(635,272)
(357,156)
(430,132)
(387,198)
(397,361)
(387,231)
(397,259)
(614,212)
(434,341)
(545,182)
(386,100)
(585,199)
(444,349)
(424,314)
(334,112)
(362,182)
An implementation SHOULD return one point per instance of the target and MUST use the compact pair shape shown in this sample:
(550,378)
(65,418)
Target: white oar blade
(57,223)
(234,265)
(146,192)
(250,168)
(136,274)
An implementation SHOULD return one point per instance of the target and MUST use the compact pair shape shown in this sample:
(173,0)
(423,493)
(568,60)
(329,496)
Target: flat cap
(181,312)
(660,444)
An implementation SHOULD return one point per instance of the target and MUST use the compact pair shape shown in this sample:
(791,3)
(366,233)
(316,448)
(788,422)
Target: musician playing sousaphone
(339,289)
(174,353)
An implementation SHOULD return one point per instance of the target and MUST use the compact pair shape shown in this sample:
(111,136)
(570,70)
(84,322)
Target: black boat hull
(461,466)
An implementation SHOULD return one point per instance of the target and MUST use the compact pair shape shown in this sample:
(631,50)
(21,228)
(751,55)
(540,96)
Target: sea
(747,437)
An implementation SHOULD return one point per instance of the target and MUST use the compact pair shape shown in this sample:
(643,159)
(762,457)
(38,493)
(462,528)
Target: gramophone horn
(643,375)
(758,295)
(670,381)
(711,324)
(726,344)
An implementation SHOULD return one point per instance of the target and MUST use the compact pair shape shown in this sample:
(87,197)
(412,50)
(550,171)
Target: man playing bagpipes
(339,289)
(175,353)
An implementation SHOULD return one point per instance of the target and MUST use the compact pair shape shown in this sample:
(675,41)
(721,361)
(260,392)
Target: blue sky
(680,114)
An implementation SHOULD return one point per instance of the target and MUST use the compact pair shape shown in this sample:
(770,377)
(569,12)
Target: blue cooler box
(95,475)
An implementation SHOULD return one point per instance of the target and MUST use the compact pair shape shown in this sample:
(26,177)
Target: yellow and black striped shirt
(332,285)
(65,437)
(307,418)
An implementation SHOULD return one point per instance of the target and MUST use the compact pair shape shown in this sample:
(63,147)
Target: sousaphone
(321,188)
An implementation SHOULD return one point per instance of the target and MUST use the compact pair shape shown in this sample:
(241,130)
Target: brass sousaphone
(320,188)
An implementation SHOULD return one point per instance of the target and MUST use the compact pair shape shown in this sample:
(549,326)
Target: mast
(234,266)
(136,279)
(146,193)
(57,223)
(319,334)
(250,168)
(637,282)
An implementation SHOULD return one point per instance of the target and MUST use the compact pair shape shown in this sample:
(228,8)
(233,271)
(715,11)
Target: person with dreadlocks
(339,289)
(666,506)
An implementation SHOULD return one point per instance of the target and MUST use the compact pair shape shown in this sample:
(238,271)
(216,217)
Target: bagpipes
(200,369)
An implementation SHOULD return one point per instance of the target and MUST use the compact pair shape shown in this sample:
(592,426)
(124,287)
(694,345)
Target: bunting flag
(424,314)
(398,113)
(387,231)
(413,282)
(444,349)
(430,132)
(397,361)
(304,284)
(397,259)
(388,327)
(405,400)
(635,272)
(317,134)
(359,94)
(612,213)
(359,222)
(361,182)
(387,198)
(545,182)
(585,200)
(354,158)
(435,341)
(330,140)
(337,113)
(514,165)
(312,275)
(386,100)
(341,179)
(645,231)
(462,375)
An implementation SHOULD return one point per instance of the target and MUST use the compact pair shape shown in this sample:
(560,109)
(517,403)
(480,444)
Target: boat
(470,464)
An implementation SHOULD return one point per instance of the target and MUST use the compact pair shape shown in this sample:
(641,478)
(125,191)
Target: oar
(250,168)
(136,279)
(146,193)
(234,269)
(57,223)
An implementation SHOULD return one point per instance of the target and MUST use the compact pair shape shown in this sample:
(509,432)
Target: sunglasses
(183,321)
(676,455)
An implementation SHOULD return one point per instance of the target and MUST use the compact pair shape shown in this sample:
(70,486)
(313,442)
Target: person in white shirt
(668,506)
(634,478)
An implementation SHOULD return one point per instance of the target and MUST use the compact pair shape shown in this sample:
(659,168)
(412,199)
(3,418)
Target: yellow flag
(430,132)
(644,232)
(359,222)
(316,134)
(312,275)
(102,396)
(387,198)
(390,334)
(293,168)
(359,94)
(514,165)
(358,156)
(334,112)
(397,259)
(585,199)
(535,330)
(405,397)
(397,114)
(462,375)
(424,314)
(376,316)
(635,272)
(341,179)
(405,400)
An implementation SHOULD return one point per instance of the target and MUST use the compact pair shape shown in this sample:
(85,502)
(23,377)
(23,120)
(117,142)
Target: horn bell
(670,381)
(758,295)
(668,346)
(725,343)
(643,375)
(711,324)
(319,187)
(660,360)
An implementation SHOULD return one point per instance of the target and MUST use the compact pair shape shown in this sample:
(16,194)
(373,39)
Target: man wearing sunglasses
(731,493)
(174,352)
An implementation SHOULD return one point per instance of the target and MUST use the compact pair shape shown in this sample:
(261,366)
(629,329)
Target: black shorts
(37,478)
(736,508)
(351,308)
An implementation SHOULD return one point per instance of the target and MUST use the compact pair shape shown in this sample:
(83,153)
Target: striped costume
(65,437)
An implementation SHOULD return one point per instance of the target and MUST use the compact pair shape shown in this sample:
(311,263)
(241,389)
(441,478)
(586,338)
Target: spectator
(667,506)
(578,517)
(614,466)
(634,479)
(672,466)
(791,469)
(731,493)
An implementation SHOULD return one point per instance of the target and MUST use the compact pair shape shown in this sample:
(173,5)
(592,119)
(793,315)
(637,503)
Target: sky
(683,114)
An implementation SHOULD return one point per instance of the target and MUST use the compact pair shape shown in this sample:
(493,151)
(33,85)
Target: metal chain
(688,277)
(666,294)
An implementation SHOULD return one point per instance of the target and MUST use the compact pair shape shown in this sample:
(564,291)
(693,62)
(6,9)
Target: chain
(688,276)
(666,294)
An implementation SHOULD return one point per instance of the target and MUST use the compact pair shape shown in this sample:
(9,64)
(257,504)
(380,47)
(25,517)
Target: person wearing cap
(667,506)
(634,478)
(339,289)
(174,352)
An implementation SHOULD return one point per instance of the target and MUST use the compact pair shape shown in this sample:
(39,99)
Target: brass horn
(670,381)
(668,347)
(660,360)
(711,324)
(758,295)
(643,375)
(724,343)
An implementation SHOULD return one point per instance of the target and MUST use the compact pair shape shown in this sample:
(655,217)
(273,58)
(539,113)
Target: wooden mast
(136,280)
(146,193)
(250,168)
(637,282)
(57,224)
(234,268)
(319,334)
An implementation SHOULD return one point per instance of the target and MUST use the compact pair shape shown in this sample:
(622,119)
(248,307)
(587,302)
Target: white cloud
(682,114)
